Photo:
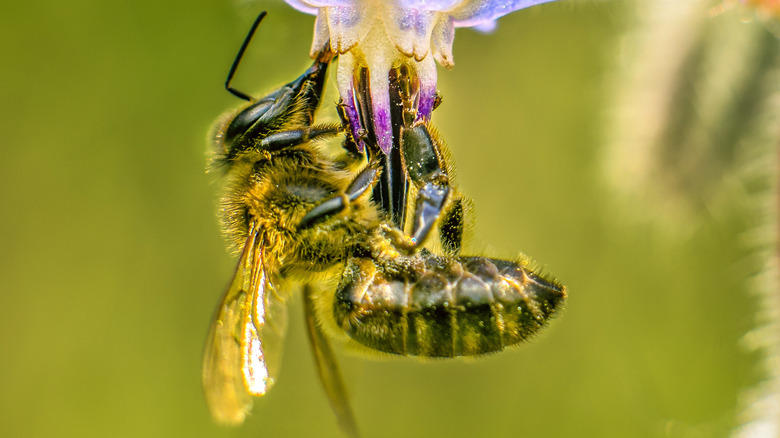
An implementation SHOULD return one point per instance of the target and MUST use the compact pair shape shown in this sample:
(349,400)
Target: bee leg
(423,159)
(451,227)
(362,183)
(313,82)
(327,367)
(286,139)
(350,142)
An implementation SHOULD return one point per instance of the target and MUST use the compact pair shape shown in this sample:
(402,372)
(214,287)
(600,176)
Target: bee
(297,215)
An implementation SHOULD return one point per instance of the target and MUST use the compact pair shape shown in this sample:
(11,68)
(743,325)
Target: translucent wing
(243,348)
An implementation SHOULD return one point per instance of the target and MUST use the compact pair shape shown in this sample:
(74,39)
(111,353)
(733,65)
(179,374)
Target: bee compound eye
(247,124)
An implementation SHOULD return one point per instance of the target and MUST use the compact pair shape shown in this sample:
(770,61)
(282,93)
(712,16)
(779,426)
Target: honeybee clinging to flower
(298,216)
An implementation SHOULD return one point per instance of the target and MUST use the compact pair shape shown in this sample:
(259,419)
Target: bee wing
(243,347)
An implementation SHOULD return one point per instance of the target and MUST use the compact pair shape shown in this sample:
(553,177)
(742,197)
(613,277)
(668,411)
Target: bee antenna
(233,91)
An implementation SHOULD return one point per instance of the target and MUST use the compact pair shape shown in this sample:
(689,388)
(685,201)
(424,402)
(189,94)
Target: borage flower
(385,45)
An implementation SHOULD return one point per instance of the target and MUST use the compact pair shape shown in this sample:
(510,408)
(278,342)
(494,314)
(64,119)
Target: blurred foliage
(112,262)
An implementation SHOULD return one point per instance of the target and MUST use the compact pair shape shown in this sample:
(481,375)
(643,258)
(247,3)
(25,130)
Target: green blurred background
(112,262)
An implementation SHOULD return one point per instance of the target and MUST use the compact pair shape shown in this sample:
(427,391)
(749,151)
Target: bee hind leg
(328,368)
(424,159)
(451,227)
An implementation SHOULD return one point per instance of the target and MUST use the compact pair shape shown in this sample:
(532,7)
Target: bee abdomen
(433,306)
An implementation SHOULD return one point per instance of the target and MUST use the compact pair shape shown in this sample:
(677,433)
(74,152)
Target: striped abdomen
(435,306)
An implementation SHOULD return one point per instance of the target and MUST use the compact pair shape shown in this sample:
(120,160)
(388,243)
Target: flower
(380,41)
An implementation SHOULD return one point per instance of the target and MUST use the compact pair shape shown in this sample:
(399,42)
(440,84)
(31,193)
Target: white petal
(443,36)
(410,30)
(348,27)
(321,33)
(423,27)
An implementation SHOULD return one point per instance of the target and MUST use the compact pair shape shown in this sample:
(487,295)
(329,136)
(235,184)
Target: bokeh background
(111,262)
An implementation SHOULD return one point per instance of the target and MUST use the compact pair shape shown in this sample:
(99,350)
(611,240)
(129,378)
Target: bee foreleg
(363,183)
(350,142)
(286,139)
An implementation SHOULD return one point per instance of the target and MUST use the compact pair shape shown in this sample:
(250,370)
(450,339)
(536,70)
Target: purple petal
(380,103)
(426,69)
(302,6)
(487,27)
(475,13)
(428,5)
(346,85)
(354,120)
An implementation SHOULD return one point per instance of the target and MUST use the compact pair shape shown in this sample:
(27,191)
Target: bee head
(291,107)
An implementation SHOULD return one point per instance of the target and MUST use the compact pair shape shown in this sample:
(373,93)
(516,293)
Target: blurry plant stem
(696,134)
